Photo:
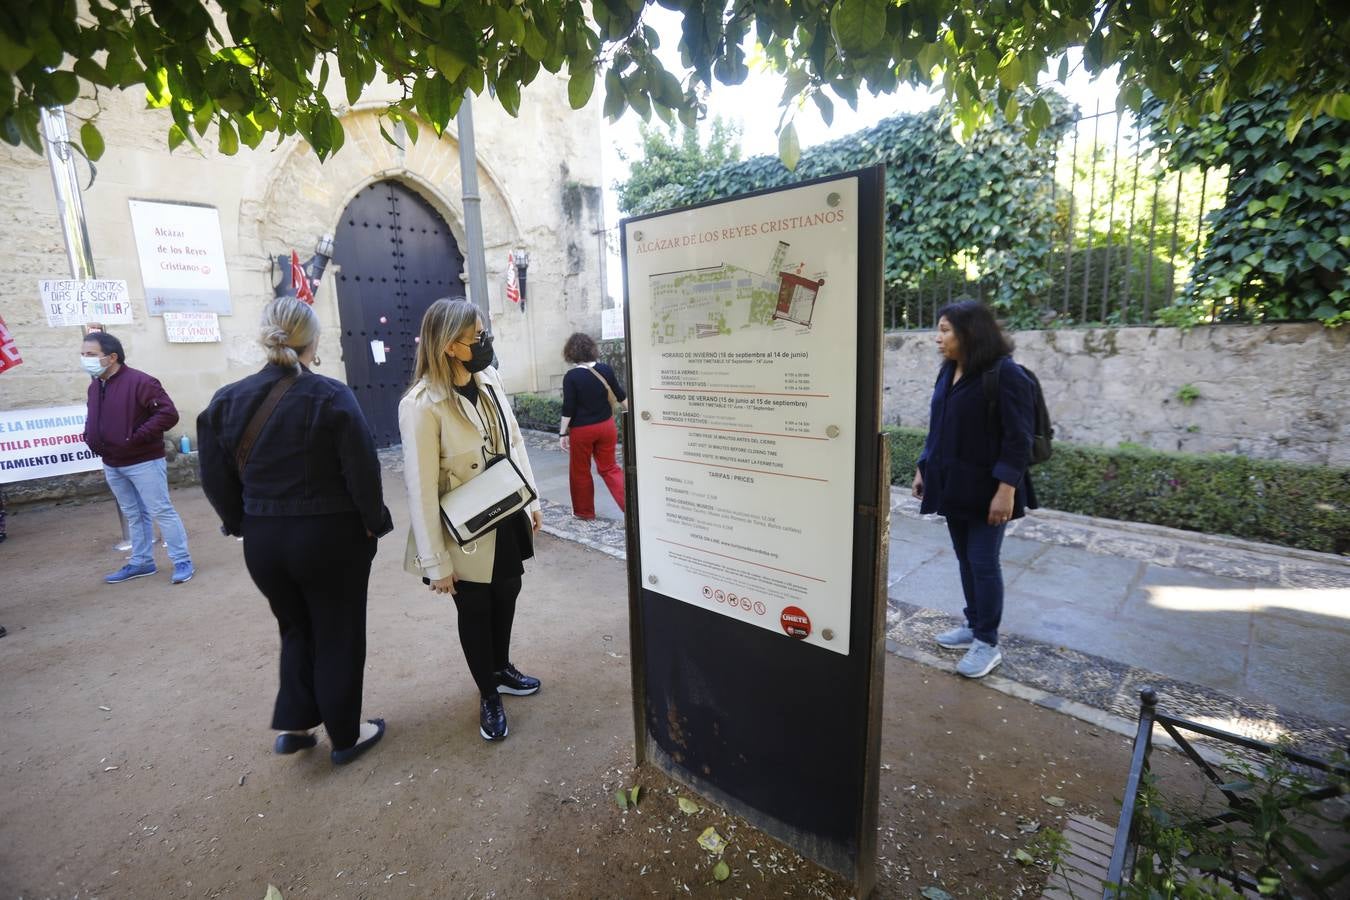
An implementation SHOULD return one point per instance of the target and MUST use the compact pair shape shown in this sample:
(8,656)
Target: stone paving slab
(1062,567)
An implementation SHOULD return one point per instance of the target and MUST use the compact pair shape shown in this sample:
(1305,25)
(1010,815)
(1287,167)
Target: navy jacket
(315,456)
(966,454)
(128,415)
(584,399)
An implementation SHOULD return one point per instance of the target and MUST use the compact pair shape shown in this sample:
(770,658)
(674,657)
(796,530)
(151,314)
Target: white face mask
(93,365)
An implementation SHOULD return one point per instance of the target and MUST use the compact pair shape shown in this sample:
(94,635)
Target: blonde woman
(449,420)
(309,505)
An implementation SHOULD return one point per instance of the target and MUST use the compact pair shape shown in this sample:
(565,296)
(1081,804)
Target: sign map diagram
(702,303)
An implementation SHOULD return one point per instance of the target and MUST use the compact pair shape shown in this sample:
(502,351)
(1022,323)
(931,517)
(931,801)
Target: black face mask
(482,355)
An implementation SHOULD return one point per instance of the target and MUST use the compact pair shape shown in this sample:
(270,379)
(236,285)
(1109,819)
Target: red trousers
(598,441)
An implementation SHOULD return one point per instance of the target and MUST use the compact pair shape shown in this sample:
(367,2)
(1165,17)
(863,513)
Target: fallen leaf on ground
(935,893)
(272,893)
(687,806)
(1024,857)
(721,871)
(621,798)
(1054,801)
(633,794)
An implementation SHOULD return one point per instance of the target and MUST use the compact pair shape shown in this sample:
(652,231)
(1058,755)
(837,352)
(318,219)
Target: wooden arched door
(396,256)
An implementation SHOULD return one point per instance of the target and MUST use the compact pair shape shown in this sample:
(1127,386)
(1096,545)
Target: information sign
(182,257)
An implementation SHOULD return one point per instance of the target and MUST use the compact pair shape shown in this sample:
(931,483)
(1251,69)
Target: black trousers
(314,571)
(486,612)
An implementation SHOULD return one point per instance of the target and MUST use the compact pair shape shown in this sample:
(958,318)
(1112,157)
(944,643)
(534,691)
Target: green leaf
(687,806)
(621,798)
(1024,857)
(1063,75)
(91,141)
(859,25)
(825,106)
(272,893)
(721,871)
(789,148)
(1010,70)
(1011,108)
(580,86)
(13,56)
(615,99)
(634,794)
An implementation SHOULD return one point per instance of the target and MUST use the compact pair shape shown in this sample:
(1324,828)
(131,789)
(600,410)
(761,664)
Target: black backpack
(1044,432)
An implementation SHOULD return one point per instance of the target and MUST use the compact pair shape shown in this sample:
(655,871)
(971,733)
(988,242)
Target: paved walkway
(1246,636)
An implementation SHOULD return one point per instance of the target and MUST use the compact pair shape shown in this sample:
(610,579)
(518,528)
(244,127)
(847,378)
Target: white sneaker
(979,660)
(956,639)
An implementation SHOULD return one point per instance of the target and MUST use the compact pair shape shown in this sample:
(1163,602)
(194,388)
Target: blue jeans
(142,492)
(977,545)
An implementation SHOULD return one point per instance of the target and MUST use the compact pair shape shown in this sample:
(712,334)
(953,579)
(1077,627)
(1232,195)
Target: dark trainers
(342,757)
(511,681)
(492,718)
(128,572)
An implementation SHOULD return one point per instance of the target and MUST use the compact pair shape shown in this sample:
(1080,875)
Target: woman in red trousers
(590,392)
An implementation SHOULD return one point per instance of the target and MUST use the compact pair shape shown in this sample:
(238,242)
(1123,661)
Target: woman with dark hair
(973,468)
(591,390)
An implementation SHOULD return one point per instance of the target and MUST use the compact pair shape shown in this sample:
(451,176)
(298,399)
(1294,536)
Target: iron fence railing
(1126,232)
(1124,855)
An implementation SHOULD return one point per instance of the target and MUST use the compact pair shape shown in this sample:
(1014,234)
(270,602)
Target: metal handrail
(1126,843)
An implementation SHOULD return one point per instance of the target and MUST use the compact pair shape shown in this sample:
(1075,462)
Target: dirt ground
(135,756)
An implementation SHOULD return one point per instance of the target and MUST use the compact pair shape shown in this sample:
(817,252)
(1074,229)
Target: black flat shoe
(511,681)
(492,718)
(342,757)
(293,743)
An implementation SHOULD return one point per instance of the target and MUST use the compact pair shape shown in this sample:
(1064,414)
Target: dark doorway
(396,255)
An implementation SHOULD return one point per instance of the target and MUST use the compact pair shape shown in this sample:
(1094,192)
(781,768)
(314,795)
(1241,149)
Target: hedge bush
(541,413)
(1293,504)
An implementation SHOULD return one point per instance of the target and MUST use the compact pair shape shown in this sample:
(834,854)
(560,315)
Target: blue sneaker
(979,660)
(128,572)
(182,571)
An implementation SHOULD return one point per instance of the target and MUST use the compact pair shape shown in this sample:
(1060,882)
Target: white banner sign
(743,344)
(182,257)
(611,323)
(70,302)
(37,443)
(191,327)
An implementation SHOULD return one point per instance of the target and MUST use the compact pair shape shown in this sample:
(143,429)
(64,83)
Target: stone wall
(1265,391)
(539,178)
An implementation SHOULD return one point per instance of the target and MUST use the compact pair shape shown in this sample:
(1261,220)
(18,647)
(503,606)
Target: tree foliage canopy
(666,161)
(257,67)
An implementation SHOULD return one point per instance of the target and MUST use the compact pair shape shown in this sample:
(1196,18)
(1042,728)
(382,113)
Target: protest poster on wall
(74,302)
(41,442)
(182,257)
(192,327)
(9,351)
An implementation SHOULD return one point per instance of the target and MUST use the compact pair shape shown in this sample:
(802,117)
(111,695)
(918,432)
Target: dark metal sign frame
(784,734)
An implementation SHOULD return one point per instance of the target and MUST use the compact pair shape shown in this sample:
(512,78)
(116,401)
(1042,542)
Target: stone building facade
(539,178)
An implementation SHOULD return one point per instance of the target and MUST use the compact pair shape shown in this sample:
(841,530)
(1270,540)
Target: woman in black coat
(973,469)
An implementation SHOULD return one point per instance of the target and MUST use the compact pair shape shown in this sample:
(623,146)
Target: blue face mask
(94,365)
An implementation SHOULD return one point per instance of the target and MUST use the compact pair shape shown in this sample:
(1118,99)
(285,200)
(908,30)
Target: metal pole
(70,212)
(475,258)
(66,185)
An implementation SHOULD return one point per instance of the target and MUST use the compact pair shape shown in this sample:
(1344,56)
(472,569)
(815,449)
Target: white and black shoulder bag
(480,504)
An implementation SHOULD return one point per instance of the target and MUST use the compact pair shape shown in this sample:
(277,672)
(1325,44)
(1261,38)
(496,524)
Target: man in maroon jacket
(129,412)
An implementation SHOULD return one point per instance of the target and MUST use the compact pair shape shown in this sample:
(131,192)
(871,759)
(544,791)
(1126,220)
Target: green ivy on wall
(1280,245)
(984,206)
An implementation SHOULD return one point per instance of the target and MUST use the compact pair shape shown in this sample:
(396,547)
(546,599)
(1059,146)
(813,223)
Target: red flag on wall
(300,281)
(9,351)
(512,279)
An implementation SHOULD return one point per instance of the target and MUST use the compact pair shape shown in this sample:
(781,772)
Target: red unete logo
(795,622)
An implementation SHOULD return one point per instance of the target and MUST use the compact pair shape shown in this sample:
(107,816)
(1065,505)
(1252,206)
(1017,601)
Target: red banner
(300,281)
(9,351)
(512,279)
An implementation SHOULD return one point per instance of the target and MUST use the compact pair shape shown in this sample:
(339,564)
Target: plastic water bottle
(184,444)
